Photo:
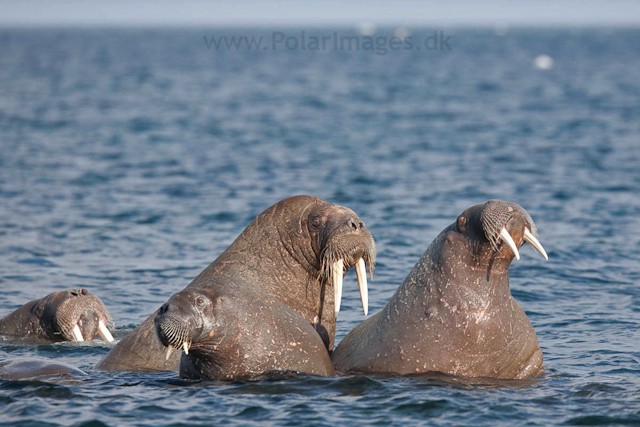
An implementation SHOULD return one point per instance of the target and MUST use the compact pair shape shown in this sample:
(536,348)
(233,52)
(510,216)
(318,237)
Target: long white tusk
(361,273)
(337,271)
(104,332)
(506,237)
(77,334)
(528,237)
(169,350)
(185,347)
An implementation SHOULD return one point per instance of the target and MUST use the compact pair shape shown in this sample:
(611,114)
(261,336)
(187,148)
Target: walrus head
(494,231)
(340,241)
(73,315)
(484,240)
(184,318)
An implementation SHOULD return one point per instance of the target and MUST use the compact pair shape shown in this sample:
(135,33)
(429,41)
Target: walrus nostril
(353,224)
(164,308)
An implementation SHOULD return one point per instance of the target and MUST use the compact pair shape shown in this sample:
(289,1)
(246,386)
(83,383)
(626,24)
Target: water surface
(130,159)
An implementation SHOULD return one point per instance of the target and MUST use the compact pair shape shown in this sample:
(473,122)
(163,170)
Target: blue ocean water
(130,159)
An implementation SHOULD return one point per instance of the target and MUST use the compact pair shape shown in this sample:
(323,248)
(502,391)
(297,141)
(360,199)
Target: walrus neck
(275,271)
(22,322)
(461,288)
(479,290)
(276,264)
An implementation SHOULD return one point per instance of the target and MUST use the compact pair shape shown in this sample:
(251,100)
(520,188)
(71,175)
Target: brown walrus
(233,331)
(69,315)
(296,253)
(454,312)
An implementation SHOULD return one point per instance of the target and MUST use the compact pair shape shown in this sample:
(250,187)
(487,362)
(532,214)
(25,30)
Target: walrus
(33,367)
(454,312)
(69,315)
(296,252)
(231,331)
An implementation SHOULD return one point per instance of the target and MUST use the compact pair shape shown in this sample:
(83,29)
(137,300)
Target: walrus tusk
(361,273)
(506,237)
(77,334)
(169,350)
(104,332)
(185,347)
(528,237)
(337,271)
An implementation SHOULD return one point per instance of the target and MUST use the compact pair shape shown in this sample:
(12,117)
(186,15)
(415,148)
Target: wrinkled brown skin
(53,317)
(32,367)
(237,333)
(454,313)
(281,254)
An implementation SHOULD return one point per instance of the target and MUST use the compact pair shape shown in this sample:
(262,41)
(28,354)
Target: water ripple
(130,159)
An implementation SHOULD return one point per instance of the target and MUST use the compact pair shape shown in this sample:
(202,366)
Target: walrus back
(140,351)
(21,322)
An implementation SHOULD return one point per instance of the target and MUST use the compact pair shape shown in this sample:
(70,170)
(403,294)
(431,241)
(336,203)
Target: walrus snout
(173,331)
(509,223)
(349,244)
(76,314)
(176,321)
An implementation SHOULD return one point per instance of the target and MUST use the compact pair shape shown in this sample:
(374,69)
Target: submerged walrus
(454,313)
(295,253)
(69,315)
(33,367)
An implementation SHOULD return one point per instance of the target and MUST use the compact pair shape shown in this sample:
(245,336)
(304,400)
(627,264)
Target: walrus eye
(316,222)
(199,300)
(462,221)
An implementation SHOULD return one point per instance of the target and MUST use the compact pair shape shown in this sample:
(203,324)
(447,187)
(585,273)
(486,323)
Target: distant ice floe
(401,33)
(543,62)
(367,28)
